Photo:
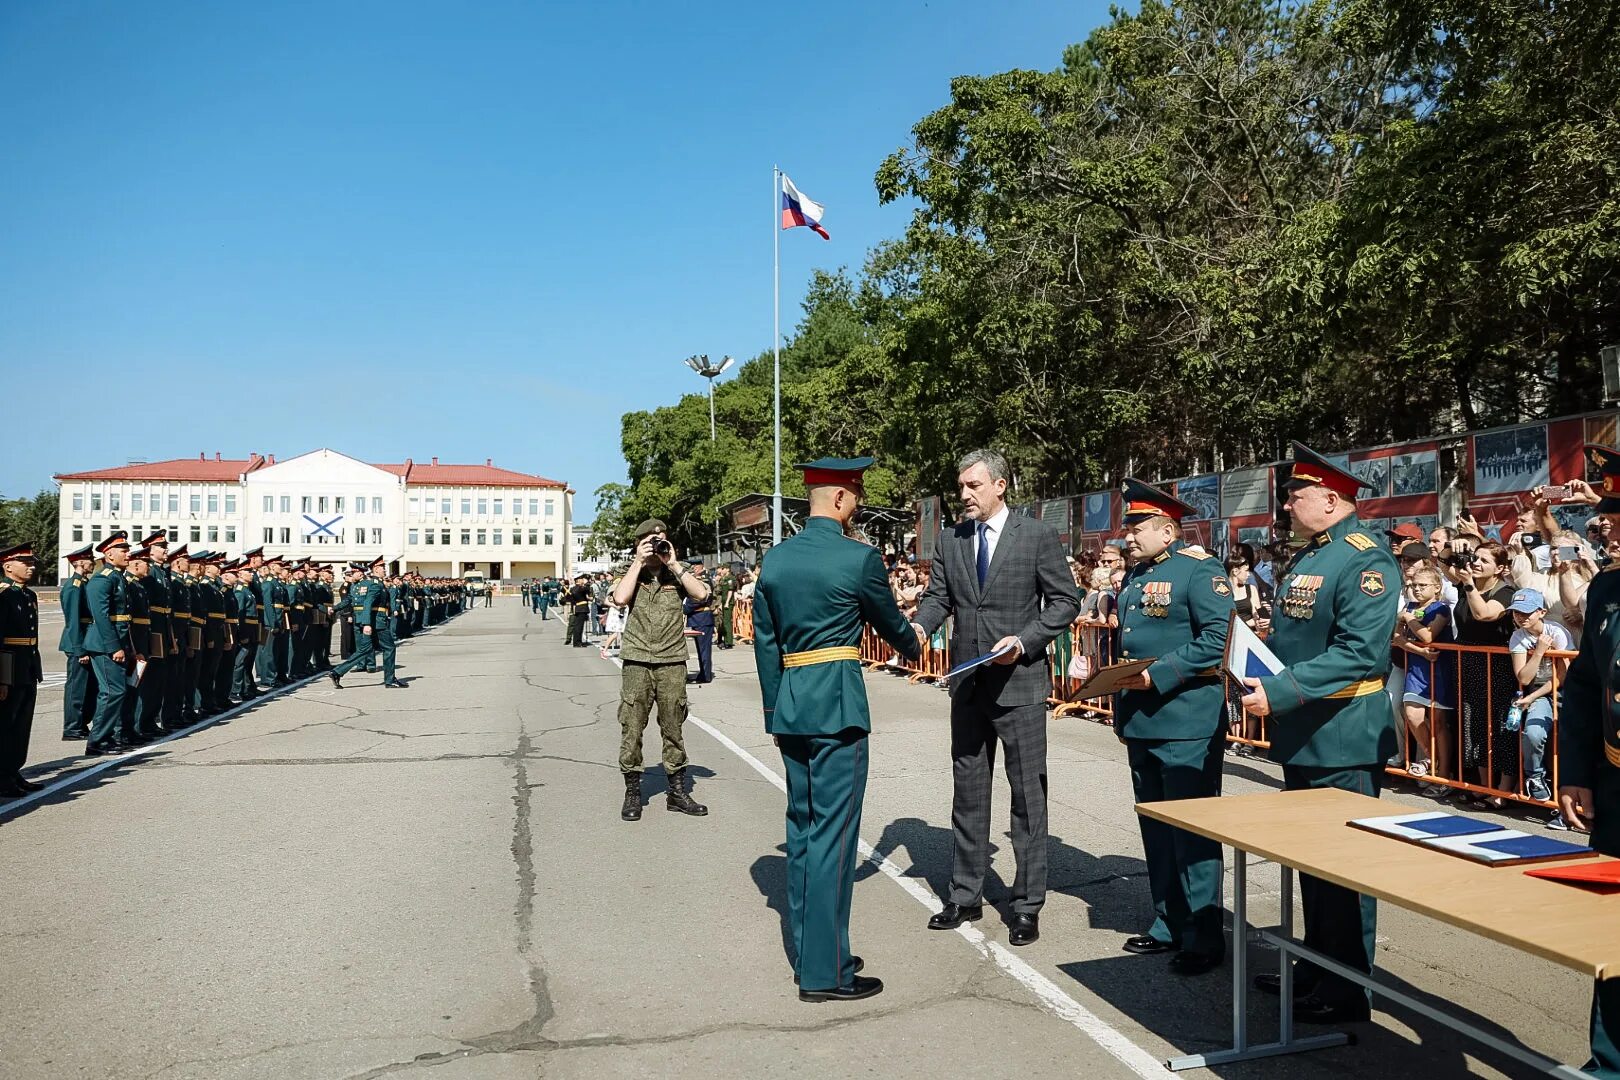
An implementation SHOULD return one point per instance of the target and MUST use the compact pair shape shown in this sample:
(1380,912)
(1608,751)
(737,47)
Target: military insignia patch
(1372,582)
(1221,586)
(1361,542)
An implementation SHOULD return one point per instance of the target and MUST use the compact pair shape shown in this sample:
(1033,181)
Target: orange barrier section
(742,620)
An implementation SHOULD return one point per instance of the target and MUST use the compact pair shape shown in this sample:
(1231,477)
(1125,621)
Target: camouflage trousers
(642,686)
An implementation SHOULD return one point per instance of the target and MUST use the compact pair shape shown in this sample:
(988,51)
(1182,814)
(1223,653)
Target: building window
(376,504)
(286,535)
(78,534)
(95,534)
(196,504)
(174,502)
(376,536)
(498,504)
(155,501)
(213,504)
(466,507)
(196,533)
(534,507)
(286,504)
(550,507)
(213,534)
(430,537)
(78,502)
(174,535)
(269,533)
(137,503)
(337,503)
(444,507)
(269,504)
(410,537)
(303,504)
(415,504)
(359,536)
(497,538)
(483,538)
(444,537)
(95,502)
(320,504)
(466,538)
(359,504)
(483,507)
(113,502)
(534,538)
(550,538)
(230,534)
(230,504)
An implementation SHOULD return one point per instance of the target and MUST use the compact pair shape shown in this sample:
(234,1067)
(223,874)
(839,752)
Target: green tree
(33,521)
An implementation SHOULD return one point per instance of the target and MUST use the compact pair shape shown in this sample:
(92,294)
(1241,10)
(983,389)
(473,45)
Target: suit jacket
(1028,591)
(816,591)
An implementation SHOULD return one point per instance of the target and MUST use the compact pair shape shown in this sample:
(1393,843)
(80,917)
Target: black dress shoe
(336,682)
(396,685)
(953,915)
(103,750)
(13,791)
(1313,1010)
(860,987)
(1189,963)
(857,961)
(1025,929)
(29,785)
(1143,945)
(1269,982)
(75,736)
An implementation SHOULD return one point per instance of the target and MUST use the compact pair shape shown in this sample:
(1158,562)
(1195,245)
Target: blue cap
(1527,601)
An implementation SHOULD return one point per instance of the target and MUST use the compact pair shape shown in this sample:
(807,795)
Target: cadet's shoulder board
(109,571)
(1360,541)
(1191,554)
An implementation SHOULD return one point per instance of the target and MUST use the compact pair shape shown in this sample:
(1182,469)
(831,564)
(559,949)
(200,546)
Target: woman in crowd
(1429,697)
(1571,577)
(1253,606)
(1485,681)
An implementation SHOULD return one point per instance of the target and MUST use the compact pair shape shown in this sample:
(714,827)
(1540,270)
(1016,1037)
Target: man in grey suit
(1004,579)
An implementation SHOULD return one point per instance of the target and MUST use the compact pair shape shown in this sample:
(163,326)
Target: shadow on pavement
(770,878)
(655,783)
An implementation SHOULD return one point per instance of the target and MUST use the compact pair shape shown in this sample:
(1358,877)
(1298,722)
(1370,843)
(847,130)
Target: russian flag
(1246,655)
(798,210)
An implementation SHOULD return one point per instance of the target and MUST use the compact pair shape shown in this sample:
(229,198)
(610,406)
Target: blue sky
(409,229)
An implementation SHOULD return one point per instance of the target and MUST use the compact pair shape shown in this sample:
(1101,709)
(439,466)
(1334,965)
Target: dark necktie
(984,552)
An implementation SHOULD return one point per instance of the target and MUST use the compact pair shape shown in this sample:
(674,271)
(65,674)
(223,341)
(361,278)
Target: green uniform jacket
(156,586)
(139,606)
(19,632)
(109,619)
(369,599)
(816,591)
(74,617)
(1177,609)
(213,594)
(180,609)
(1589,714)
(1331,626)
(247,614)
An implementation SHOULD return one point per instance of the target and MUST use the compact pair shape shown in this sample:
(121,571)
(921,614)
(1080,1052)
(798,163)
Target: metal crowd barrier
(1466,748)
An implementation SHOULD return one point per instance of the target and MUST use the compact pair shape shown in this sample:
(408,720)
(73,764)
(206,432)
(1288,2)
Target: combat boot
(632,797)
(677,799)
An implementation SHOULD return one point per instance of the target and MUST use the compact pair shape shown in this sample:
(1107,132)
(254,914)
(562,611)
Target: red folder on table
(1598,876)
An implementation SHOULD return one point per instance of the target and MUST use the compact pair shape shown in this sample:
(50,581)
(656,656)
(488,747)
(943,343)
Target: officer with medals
(107,643)
(1174,607)
(1589,745)
(373,617)
(21,671)
(815,593)
(79,693)
(1330,722)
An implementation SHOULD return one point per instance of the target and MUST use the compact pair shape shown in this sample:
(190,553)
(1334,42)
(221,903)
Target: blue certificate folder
(1472,839)
(1424,826)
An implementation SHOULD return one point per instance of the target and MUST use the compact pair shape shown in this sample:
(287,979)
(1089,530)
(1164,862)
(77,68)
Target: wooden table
(1307,831)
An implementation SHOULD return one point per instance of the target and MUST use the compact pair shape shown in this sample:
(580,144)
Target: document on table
(1506,846)
(969,665)
(1424,826)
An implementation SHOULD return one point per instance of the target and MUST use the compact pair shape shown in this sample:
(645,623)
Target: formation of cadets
(157,639)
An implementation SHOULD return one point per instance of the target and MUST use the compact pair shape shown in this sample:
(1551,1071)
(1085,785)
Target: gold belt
(160,611)
(120,618)
(141,622)
(216,614)
(251,622)
(821,656)
(1611,752)
(1360,689)
(19,641)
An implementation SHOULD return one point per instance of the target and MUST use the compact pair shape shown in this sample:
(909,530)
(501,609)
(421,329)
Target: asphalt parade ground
(365,883)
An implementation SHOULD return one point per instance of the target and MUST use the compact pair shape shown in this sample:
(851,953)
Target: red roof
(227,470)
(216,469)
(468,476)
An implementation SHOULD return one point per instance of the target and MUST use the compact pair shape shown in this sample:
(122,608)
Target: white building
(440,520)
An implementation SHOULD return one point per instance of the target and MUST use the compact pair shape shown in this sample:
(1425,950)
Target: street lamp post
(711,371)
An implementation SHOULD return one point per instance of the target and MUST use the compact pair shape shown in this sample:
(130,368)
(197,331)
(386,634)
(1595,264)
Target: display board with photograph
(1510,460)
(1414,474)
(1203,494)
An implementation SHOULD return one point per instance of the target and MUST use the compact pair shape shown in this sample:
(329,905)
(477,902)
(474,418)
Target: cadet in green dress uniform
(1331,724)
(815,593)
(1589,745)
(1174,607)
(107,643)
(21,671)
(177,712)
(79,694)
(246,598)
(139,604)
(150,695)
(373,613)
(214,647)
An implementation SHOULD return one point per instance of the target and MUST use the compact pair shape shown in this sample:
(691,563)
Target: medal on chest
(1299,600)
(1156,598)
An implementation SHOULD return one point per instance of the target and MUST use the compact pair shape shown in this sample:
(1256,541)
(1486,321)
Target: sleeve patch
(1221,586)
(1372,582)
(1360,541)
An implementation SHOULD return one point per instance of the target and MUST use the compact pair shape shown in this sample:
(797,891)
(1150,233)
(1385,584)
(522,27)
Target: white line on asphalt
(1049,994)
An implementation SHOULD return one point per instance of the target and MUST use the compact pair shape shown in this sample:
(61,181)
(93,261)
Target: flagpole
(776,345)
